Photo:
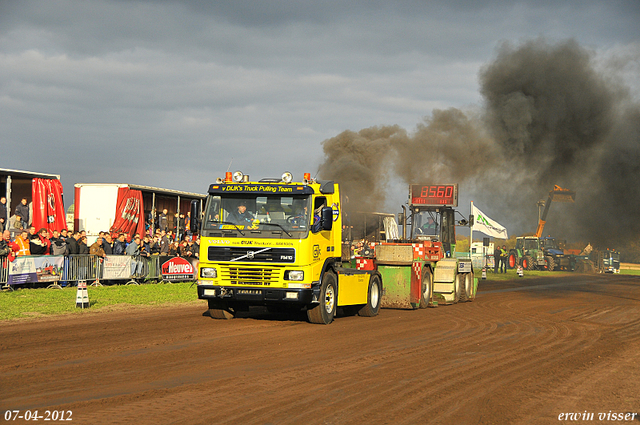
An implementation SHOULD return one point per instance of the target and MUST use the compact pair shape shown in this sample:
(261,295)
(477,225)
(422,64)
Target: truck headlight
(294,275)
(209,272)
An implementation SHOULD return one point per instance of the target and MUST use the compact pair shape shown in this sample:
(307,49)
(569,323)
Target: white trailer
(95,204)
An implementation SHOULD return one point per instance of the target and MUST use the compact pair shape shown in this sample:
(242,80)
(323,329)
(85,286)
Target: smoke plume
(549,117)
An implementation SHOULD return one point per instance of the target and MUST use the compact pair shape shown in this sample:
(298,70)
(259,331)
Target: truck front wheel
(373,298)
(324,312)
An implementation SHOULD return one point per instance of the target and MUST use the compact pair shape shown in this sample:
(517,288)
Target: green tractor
(528,253)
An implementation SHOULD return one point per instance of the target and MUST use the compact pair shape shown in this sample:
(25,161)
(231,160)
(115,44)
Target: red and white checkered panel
(417,270)
(365,264)
(418,251)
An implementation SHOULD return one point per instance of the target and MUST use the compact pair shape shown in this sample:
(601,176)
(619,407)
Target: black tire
(462,290)
(551,263)
(427,288)
(512,260)
(527,263)
(373,297)
(324,312)
(469,286)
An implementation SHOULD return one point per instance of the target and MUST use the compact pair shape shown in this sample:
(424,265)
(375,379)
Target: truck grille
(261,255)
(249,275)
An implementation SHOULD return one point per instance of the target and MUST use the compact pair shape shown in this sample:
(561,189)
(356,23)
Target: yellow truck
(277,243)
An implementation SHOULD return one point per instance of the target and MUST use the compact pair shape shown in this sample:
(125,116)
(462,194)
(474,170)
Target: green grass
(23,303)
(627,271)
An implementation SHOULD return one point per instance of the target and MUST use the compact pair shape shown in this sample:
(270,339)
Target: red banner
(129,212)
(48,206)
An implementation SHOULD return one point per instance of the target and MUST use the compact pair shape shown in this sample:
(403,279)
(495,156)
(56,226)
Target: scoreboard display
(437,195)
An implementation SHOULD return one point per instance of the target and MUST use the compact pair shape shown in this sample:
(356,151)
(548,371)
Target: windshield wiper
(276,224)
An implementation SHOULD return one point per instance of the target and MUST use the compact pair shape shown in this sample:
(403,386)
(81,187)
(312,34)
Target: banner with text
(35,269)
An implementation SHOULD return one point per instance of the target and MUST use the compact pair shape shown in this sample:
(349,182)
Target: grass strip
(26,302)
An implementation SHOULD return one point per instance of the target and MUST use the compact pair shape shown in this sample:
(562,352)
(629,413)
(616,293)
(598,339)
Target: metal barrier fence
(91,268)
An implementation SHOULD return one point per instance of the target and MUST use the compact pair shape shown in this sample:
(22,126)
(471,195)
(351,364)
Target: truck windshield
(259,215)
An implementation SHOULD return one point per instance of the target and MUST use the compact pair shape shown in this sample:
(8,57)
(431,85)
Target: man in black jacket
(22,210)
(120,245)
(72,243)
(3,214)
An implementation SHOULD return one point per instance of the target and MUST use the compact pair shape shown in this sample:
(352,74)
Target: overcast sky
(169,93)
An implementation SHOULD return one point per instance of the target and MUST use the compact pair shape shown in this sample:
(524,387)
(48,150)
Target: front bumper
(258,296)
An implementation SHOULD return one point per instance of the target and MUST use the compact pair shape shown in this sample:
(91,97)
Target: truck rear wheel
(427,288)
(324,312)
(373,298)
(456,289)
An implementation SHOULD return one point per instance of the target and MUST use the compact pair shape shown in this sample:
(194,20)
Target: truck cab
(277,243)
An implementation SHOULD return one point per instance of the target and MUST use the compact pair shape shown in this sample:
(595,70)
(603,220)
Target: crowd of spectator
(63,242)
(164,241)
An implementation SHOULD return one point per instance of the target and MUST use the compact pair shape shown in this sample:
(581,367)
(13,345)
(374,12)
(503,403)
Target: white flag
(484,224)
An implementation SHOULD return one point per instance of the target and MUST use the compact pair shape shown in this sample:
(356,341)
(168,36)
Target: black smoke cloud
(548,117)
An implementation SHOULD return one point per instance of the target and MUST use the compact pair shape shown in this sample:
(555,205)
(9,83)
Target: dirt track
(522,353)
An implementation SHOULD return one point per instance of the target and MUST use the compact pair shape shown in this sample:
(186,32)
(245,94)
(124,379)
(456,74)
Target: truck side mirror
(401,219)
(471,217)
(194,224)
(326,216)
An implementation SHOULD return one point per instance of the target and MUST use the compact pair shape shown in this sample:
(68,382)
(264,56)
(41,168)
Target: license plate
(211,292)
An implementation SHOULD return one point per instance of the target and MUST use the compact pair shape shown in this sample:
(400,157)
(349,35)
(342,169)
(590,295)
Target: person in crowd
(196,247)
(64,234)
(18,224)
(83,248)
(163,220)
(72,243)
(179,229)
(503,259)
(32,232)
(133,249)
(22,211)
(21,245)
(4,217)
(172,221)
(154,244)
(497,252)
(6,250)
(184,248)
(120,245)
(40,244)
(164,243)
(187,224)
(97,249)
(107,244)
(145,248)
(192,247)
(58,245)
(173,249)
